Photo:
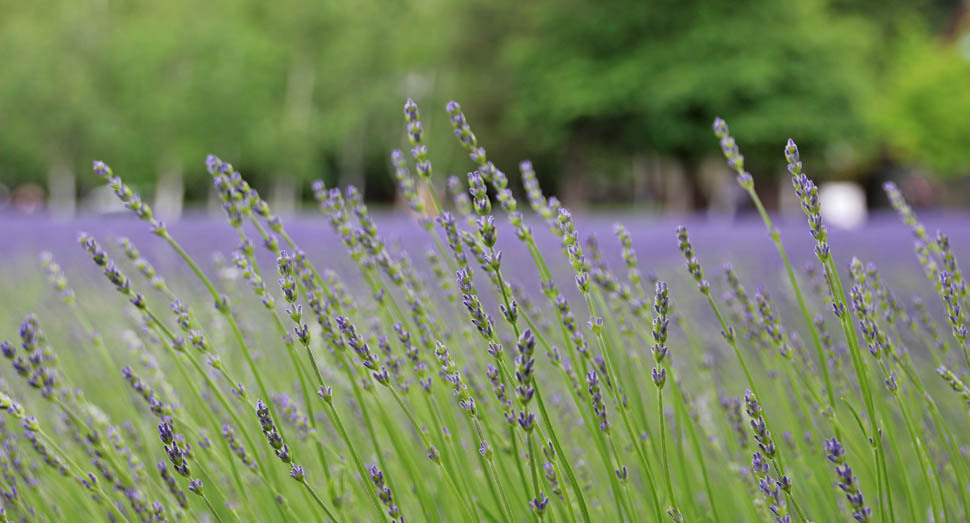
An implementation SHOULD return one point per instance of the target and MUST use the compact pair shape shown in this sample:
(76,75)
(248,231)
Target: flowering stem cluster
(512,400)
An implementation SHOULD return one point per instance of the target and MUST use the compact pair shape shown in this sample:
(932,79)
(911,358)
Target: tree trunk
(640,172)
(352,161)
(696,188)
(213,204)
(60,182)
(283,195)
(722,187)
(573,187)
(674,192)
(169,191)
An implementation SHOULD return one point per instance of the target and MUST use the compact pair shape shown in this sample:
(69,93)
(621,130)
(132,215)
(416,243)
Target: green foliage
(924,92)
(303,89)
(49,86)
(657,77)
(151,85)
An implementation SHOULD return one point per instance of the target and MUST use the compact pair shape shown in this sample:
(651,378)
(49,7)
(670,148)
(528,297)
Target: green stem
(417,428)
(663,444)
(80,472)
(565,463)
(316,497)
(838,293)
(237,334)
(621,407)
(356,457)
(776,238)
(532,461)
(681,404)
(747,374)
(490,470)
(212,509)
(220,397)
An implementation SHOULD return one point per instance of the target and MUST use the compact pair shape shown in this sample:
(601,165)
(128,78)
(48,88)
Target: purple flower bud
(101,169)
(195,486)
(410,110)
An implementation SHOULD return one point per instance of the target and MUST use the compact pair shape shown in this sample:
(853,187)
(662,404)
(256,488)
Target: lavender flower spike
(272,435)
(847,481)
(955,383)
(659,333)
(731,152)
(384,493)
(415,134)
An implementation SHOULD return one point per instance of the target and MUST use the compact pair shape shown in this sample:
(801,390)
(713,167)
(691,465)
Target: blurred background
(611,99)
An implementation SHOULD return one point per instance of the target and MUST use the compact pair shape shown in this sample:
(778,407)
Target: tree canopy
(307,89)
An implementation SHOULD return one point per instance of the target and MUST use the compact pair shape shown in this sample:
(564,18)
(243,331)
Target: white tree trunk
(213,204)
(60,181)
(720,185)
(352,161)
(675,186)
(283,195)
(640,172)
(169,193)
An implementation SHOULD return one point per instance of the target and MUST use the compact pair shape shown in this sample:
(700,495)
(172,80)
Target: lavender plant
(519,374)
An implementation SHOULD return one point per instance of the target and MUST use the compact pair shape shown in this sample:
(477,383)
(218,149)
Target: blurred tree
(50,86)
(177,94)
(629,75)
(922,91)
(894,18)
(300,89)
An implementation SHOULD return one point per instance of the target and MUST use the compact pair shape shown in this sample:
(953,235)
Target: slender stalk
(220,397)
(559,450)
(226,313)
(212,509)
(661,417)
(319,501)
(79,472)
(862,375)
(803,308)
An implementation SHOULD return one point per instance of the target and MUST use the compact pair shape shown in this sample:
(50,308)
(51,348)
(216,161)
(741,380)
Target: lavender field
(483,358)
